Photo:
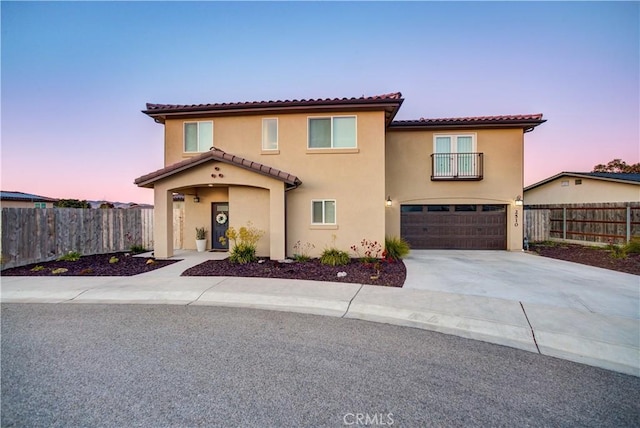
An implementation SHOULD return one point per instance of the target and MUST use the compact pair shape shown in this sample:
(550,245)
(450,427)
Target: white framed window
(198,136)
(454,155)
(269,134)
(332,132)
(564,183)
(323,211)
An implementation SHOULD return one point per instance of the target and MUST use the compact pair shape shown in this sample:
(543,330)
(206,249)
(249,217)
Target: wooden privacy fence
(32,235)
(603,223)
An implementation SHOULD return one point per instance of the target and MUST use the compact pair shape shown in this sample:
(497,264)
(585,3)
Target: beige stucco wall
(590,191)
(353,177)
(408,175)
(22,204)
(198,214)
(251,204)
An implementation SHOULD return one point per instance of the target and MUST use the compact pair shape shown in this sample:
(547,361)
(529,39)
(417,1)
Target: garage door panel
(458,228)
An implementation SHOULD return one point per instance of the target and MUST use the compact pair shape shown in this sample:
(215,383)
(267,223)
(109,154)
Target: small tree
(618,165)
(71,203)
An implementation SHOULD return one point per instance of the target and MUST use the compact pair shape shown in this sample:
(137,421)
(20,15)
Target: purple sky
(75,76)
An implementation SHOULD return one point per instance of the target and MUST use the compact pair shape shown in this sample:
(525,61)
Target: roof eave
(390,106)
(149,180)
(577,175)
(417,126)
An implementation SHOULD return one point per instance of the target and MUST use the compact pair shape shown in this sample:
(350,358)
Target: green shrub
(334,257)
(113,260)
(59,271)
(37,268)
(243,253)
(71,256)
(395,248)
(137,249)
(633,246)
(244,243)
(617,251)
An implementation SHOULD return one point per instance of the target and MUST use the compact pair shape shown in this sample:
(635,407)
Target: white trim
(454,140)
(184,140)
(331,147)
(448,167)
(277,134)
(335,212)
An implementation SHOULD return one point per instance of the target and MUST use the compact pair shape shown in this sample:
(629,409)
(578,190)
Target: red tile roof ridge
(382,97)
(215,153)
(536,116)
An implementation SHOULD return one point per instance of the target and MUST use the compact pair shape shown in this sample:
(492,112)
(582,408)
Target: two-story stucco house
(331,172)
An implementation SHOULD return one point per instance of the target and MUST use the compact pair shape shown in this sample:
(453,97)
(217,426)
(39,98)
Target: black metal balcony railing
(456,166)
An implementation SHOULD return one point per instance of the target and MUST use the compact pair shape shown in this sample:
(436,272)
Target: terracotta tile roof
(517,120)
(390,102)
(217,155)
(279,103)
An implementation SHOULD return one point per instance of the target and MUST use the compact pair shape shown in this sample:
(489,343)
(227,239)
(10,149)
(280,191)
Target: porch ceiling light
(519,201)
(196,199)
(388,201)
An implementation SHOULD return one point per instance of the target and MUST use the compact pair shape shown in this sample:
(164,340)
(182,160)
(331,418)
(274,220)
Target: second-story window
(198,136)
(337,132)
(269,134)
(454,156)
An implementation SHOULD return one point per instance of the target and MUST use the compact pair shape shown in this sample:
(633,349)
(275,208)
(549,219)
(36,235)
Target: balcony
(456,166)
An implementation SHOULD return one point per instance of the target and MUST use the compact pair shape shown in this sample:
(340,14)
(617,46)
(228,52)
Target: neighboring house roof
(217,155)
(620,177)
(524,121)
(389,102)
(24,197)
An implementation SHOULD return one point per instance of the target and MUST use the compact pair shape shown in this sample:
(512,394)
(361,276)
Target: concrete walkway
(570,311)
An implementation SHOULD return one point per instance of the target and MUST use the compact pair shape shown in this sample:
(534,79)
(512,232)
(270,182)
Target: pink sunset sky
(75,76)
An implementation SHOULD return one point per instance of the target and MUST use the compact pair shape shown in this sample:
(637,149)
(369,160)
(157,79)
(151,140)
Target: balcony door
(454,155)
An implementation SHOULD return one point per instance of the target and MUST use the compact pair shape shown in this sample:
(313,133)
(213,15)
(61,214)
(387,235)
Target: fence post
(564,222)
(628,223)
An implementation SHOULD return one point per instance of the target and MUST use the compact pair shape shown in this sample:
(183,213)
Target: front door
(219,224)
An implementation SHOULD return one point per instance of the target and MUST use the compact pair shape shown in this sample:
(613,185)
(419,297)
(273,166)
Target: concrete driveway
(525,277)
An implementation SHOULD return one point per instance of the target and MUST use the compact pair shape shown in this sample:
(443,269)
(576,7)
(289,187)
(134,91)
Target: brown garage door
(461,227)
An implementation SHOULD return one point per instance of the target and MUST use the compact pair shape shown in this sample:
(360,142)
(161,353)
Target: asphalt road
(81,365)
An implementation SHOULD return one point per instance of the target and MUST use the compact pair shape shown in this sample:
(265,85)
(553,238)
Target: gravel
(95,265)
(589,255)
(391,274)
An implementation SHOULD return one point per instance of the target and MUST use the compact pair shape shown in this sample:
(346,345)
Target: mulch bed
(592,256)
(95,265)
(392,274)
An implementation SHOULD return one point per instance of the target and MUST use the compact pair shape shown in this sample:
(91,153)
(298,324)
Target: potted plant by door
(201,239)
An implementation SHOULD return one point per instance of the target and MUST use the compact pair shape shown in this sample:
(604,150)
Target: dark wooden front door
(219,224)
(461,227)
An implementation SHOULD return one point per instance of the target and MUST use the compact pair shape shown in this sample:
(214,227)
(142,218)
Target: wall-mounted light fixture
(196,199)
(388,201)
(519,201)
